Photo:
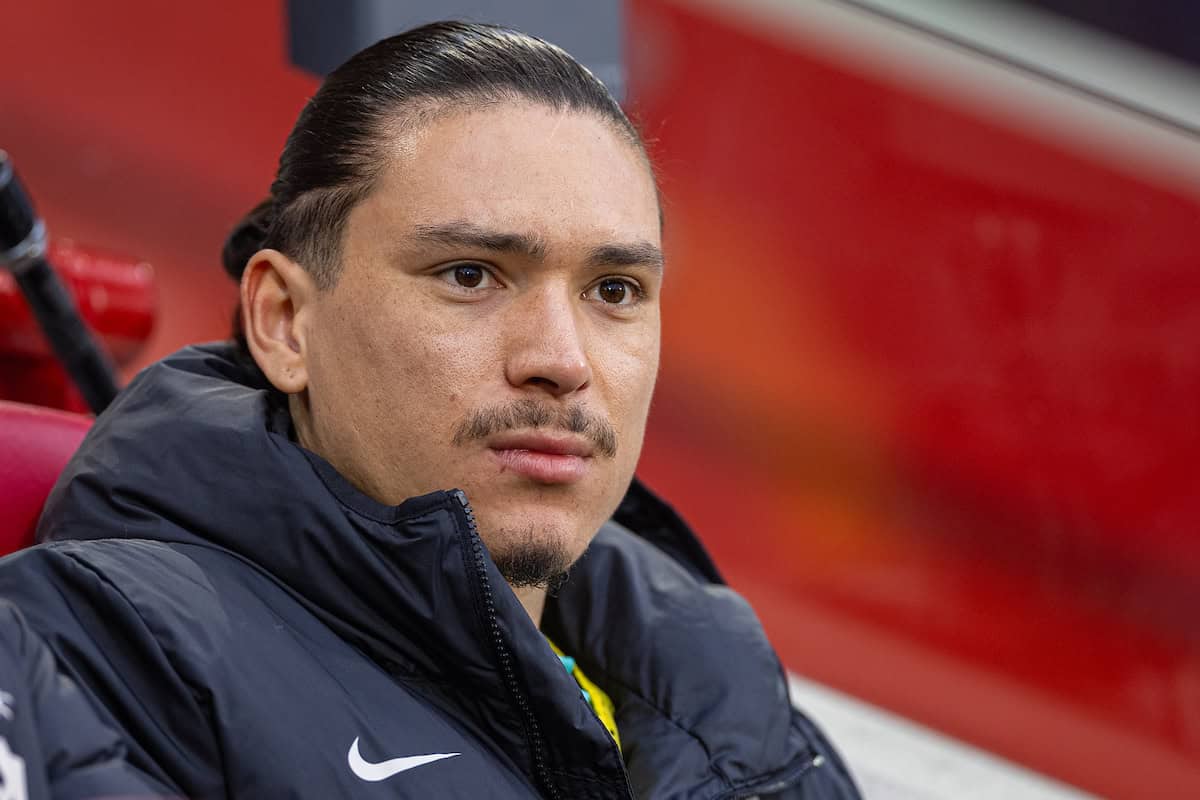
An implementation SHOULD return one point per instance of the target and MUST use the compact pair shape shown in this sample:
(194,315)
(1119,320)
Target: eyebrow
(626,255)
(468,234)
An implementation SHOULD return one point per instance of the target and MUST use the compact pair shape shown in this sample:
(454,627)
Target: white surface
(895,759)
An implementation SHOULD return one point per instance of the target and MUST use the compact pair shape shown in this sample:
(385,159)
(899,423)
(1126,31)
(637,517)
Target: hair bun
(247,238)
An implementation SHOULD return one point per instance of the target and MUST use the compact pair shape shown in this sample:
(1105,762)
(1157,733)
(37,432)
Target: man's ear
(276,294)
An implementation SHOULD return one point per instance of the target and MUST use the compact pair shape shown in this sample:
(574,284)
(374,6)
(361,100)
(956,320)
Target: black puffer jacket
(52,744)
(261,629)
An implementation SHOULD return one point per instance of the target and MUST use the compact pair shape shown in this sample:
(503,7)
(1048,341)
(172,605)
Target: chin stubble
(532,561)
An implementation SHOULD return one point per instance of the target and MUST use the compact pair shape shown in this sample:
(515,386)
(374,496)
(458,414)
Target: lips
(543,457)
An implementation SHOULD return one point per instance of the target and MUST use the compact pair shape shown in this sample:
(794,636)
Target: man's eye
(468,276)
(616,292)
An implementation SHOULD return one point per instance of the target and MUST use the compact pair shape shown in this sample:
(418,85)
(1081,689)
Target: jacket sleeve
(54,737)
(124,677)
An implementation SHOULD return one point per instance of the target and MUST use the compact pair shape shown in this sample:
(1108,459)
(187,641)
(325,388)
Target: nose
(547,348)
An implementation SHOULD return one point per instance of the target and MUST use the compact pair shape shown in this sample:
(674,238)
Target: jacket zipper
(776,786)
(533,730)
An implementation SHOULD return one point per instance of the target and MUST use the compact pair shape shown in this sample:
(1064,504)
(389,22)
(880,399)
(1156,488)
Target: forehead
(561,176)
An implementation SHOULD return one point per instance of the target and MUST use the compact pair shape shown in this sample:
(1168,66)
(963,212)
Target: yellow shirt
(600,702)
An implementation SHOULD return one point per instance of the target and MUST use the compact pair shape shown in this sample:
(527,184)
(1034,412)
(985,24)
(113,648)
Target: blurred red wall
(149,130)
(929,389)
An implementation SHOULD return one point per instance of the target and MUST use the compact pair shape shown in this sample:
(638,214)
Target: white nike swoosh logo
(393,766)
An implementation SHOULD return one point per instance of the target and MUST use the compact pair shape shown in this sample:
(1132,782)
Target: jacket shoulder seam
(83,564)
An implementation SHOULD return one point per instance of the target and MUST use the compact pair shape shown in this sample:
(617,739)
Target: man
(319,564)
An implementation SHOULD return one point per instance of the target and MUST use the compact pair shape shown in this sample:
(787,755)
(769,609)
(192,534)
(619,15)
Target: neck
(533,599)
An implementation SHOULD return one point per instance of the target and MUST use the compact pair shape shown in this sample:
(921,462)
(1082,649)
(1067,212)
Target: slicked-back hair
(335,152)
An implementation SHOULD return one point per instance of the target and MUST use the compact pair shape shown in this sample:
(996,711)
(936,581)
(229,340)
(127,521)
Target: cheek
(629,374)
(374,364)
(389,333)
(441,366)
(446,360)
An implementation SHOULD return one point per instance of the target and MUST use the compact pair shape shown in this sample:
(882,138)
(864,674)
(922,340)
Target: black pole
(22,252)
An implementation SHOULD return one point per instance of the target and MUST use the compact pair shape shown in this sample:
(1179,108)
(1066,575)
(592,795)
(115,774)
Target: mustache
(521,414)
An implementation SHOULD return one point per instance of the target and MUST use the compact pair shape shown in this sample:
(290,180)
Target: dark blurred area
(1169,27)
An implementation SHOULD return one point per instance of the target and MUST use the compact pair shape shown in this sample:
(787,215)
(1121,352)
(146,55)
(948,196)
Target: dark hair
(333,155)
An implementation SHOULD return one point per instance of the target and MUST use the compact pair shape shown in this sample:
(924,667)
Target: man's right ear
(277,294)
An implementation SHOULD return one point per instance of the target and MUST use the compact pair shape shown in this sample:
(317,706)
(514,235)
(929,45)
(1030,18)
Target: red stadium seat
(35,444)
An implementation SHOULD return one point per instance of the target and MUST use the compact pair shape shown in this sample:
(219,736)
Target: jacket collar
(196,451)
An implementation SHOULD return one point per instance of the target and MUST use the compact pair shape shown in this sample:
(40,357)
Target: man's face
(495,327)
